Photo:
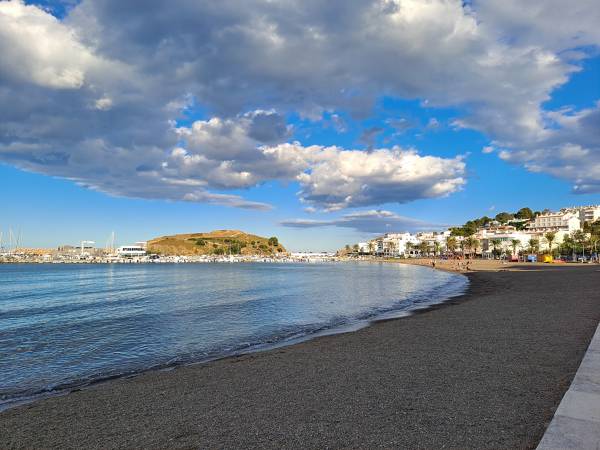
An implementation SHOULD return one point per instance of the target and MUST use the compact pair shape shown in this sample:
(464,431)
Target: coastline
(453,288)
(391,370)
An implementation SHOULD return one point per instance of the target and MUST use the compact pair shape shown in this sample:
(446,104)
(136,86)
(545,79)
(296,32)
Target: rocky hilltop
(220,242)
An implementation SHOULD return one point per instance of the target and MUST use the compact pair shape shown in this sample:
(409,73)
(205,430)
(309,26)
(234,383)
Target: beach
(484,370)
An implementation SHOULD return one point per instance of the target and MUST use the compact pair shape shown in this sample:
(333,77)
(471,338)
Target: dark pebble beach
(484,370)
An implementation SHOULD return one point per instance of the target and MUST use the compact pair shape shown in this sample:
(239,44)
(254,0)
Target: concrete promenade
(576,423)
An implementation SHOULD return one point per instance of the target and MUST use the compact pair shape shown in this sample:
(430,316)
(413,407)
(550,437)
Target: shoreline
(359,353)
(349,327)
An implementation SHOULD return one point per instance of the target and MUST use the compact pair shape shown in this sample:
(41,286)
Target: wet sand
(486,370)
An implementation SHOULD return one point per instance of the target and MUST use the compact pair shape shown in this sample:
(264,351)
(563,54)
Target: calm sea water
(68,325)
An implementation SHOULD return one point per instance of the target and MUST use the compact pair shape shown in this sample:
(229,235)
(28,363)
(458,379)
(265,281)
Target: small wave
(455,285)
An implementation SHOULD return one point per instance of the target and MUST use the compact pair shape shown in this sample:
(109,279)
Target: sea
(65,326)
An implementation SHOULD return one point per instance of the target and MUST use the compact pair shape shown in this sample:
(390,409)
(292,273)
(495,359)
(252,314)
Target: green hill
(220,242)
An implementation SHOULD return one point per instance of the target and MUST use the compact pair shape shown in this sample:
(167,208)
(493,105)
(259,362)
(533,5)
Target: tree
(579,239)
(371,247)
(495,245)
(550,238)
(592,228)
(451,244)
(594,244)
(424,248)
(471,244)
(436,248)
(515,243)
(525,213)
(568,245)
(475,245)
(504,217)
(470,227)
(518,225)
(273,241)
(235,247)
(534,245)
(355,248)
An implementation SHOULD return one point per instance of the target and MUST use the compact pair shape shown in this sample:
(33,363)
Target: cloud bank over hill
(101,96)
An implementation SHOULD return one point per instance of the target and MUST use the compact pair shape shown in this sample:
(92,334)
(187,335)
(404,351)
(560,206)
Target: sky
(322,123)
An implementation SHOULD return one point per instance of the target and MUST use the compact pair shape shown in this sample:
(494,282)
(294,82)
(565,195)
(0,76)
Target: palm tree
(534,245)
(579,238)
(550,237)
(371,247)
(470,243)
(475,245)
(495,244)
(424,248)
(593,243)
(409,247)
(451,244)
(515,243)
(436,248)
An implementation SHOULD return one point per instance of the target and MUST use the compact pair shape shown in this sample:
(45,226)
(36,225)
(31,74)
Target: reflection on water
(71,324)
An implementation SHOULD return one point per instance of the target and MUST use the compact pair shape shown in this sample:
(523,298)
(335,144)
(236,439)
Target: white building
(565,221)
(505,237)
(396,244)
(590,213)
(434,239)
(131,251)
(365,248)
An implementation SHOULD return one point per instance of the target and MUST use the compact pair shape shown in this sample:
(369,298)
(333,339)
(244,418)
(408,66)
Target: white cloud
(370,221)
(223,154)
(570,149)
(339,178)
(93,97)
(38,48)
(224,199)
(103,104)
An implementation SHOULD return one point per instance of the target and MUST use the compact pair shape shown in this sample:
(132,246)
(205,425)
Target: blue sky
(168,126)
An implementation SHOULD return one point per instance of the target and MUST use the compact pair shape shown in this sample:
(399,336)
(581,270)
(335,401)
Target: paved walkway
(576,423)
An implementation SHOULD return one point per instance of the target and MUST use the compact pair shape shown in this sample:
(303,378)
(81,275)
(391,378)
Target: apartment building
(561,221)
(589,214)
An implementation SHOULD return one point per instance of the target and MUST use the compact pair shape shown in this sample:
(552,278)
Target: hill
(220,242)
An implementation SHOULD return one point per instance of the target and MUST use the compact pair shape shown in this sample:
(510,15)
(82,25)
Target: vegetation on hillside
(517,219)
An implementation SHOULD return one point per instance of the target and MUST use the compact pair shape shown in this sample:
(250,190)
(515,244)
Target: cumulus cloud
(95,97)
(570,149)
(38,48)
(371,221)
(224,154)
(340,178)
